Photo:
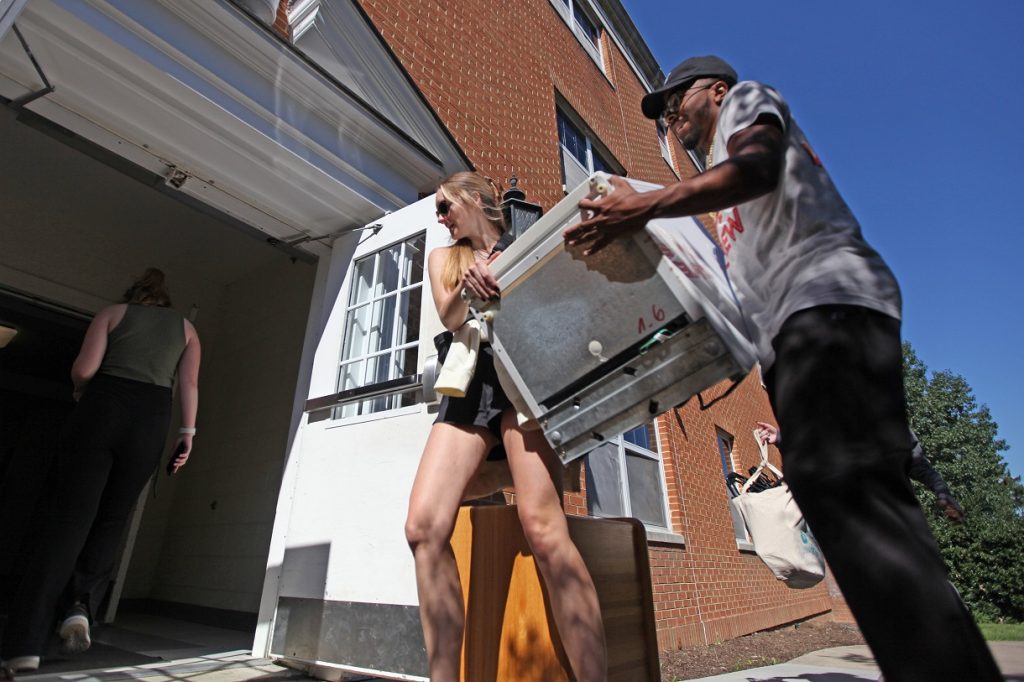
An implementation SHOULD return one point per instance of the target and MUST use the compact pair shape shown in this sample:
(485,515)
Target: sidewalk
(853,663)
(839,664)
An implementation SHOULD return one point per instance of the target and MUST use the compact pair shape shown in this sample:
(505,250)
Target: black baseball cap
(682,76)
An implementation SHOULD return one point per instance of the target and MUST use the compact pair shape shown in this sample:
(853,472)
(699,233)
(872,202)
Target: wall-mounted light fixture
(519,213)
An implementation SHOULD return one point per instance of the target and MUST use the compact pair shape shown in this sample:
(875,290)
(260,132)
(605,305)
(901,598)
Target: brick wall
(711,590)
(491,71)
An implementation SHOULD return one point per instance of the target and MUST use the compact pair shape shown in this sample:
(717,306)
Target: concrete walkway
(853,663)
(838,664)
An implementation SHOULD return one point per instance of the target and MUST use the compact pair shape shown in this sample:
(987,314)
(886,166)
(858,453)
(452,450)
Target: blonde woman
(466,431)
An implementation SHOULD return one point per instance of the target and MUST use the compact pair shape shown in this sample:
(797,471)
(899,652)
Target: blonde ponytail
(460,259)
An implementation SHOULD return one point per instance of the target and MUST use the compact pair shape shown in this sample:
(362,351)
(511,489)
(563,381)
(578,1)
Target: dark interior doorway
(35,399)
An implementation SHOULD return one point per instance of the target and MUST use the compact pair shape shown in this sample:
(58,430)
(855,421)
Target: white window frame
(568,10)
(654,532)
(374,408)
(666,147)
(725,444)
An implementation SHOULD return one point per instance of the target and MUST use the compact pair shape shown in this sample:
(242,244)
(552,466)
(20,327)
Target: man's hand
(479,280)
(950,507)
(612,216)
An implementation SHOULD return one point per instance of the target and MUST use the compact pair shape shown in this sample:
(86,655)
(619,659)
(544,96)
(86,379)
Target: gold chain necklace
(708,160)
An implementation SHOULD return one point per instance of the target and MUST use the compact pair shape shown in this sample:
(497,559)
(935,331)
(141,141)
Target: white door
(346,563)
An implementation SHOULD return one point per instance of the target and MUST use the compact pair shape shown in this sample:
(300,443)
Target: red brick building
(549,90)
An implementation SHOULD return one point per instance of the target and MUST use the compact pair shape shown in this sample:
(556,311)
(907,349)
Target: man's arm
(752,170)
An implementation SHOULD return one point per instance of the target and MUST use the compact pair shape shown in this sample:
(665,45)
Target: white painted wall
(217,533)
(76,232)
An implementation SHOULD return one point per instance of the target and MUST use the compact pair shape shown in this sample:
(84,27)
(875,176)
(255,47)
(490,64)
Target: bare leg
(538,478)
(451,457)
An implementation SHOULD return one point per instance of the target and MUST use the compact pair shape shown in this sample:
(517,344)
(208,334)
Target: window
(666,150)
(580,156)
(725,445)
(584,25)
(382,324)
(625,478)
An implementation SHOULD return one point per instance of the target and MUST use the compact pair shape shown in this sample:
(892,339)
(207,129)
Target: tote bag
(779,533)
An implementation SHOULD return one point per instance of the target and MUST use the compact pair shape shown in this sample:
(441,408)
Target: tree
(985,555)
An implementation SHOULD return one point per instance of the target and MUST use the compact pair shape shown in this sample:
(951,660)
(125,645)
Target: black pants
(110,447)
(837,391)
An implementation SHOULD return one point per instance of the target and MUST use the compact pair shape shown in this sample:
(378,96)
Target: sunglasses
(443,207)
(674,101)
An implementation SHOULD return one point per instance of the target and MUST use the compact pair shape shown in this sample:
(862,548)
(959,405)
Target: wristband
(187,430)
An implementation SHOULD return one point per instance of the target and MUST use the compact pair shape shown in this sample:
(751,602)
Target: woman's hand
(184,444)
(768,434)
(479,280)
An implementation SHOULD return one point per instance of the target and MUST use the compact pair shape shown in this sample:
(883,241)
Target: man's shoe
(74,631)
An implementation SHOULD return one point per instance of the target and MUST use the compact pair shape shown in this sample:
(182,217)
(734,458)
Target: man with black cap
(825,315)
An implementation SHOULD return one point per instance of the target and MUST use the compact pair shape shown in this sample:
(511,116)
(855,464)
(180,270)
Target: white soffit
(9,10)
(196,86)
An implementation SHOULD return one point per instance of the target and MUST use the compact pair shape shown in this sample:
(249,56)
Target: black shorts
(484,403)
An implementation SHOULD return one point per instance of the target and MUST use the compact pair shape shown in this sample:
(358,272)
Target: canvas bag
(777,528)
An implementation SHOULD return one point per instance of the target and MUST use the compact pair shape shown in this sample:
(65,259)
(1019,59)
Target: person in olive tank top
(123,378)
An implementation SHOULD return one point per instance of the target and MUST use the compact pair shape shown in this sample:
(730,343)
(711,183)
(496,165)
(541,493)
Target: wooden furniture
(510,634)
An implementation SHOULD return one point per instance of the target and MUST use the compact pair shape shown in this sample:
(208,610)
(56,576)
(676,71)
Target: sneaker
(74,632)
(20,664)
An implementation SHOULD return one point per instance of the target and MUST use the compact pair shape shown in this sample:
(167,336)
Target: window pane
(351,376)
(599,163)
(585,24)
(572,139)
(646,495)
(663,141)
(388,277)
(409,317)
(405,362)
(413,271)
(357,333)
(642,436)
(604,481)
(362,281)
(382,327)
(377,369)
(725,452)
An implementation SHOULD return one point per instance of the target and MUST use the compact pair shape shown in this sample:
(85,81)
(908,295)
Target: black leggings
(110,447)
(837,391)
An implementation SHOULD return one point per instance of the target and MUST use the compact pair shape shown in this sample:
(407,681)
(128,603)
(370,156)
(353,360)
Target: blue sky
(916,110)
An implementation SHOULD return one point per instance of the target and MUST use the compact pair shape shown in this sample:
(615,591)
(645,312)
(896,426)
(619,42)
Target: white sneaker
(75,633)
(20,664)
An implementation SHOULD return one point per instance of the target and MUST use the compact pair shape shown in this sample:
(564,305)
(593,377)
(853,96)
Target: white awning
(198,92)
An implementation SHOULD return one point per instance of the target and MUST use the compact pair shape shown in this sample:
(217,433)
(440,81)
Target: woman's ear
(477,200)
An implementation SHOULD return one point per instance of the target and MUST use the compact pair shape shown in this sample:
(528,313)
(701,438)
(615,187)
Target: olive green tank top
(146,345)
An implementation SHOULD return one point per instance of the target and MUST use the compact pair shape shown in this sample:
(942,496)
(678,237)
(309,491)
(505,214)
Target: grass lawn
(995,632)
